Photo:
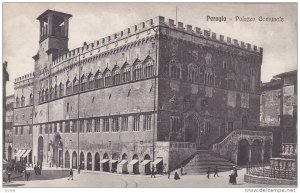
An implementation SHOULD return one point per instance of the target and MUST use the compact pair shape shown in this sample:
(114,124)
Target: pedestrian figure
(152,172)
(235,174)
(28,176)
(181,170)
(176,176)
(231,176)
(169,173)
(8,175)
(216,171)
(35,170)
(71,174)
(208,172)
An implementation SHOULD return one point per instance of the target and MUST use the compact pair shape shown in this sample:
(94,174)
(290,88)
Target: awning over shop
(145,162)
(26,153)
(104,161)
(157,161)
(18,152)
(113,161)
(134,161)
(123,162)
(21,153)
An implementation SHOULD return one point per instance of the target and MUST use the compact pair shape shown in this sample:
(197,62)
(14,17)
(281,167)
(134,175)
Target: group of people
(216,171)
(176,175)
(38,169)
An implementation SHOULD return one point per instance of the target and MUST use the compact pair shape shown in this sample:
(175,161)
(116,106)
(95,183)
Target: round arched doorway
(81,161)
(67,160)
(40,150)
(97,162)
(243,152)
(74,160)
(89,161)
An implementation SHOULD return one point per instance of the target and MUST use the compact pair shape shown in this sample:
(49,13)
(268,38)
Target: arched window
(148,68)
(116,77)
(22,101)
(126,73)
(231,83)
(193,73)
(107,78)
(209,77)
(245,85)
(31,99)
(17,102)
(75,85)
(68,87)
(51,94)
(46,95)
(175,69)
(83,83)
(61,90)
(55,92)
(43,96)
(98,80)
(90,81)
(137,70)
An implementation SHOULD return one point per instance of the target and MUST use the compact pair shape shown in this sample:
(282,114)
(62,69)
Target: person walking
(8,175)
(152,172)
(27,175)
(235,174)
(208,172)
(181,170)
(169,173)
(176,176)
(35,169)
(216,171)
(71,174)
(231,176)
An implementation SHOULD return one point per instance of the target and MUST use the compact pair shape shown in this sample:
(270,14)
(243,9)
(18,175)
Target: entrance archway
(74,160)
(89,161)
(9,153)
(243,152)
(40,150)
(147,157)
(256,151)
(67,160)
(97,162)
(81,161)
(124,156)
(57,147)
(192,127)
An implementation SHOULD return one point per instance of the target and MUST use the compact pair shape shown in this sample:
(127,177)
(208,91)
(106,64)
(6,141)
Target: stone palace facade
(153,93)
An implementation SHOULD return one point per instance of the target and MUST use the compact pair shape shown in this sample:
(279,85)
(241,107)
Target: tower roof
(52,11)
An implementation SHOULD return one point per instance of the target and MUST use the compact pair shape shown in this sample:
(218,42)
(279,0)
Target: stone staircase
(202,159)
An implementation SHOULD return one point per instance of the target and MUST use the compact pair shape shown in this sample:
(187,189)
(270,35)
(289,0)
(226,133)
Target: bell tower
(53,37)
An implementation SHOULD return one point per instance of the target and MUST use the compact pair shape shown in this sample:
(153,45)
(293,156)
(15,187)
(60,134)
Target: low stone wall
(270,181)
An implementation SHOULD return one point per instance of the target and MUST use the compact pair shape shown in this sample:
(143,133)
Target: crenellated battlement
(24,77)
(144,26)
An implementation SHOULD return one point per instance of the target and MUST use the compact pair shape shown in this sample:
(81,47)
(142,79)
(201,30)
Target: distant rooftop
(286,74)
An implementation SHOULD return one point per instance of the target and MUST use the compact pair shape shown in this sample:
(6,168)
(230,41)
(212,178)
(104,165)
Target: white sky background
(92,21)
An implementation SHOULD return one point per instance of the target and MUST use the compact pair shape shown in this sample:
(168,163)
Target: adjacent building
(8,128)
(156,92)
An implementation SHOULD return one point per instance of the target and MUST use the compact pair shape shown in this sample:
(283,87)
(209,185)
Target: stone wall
(270,181)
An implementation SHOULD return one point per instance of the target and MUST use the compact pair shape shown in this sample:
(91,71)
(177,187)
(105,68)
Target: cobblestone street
(58,178)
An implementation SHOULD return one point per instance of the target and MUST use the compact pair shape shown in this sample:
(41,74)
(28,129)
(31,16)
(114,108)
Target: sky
(92,21)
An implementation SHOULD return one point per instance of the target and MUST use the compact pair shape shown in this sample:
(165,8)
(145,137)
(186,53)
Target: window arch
(61,89)
(175,69)
(55,92)
(137,70)
(245,85)
(31,99)
(116,75)
(148,67)
(231,82)
(75,85)
(98,80)
(107,78)
(51,94)
(17,102)
(22,101)
(43,96)
(126,73)
(193,73)
(83,83)
(46,95)
(209,77)
(68,87)
(90,81)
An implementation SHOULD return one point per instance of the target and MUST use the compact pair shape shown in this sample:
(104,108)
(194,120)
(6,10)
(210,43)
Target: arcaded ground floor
(58,178)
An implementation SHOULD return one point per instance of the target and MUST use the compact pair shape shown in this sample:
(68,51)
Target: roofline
(285,74)
(49,10)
